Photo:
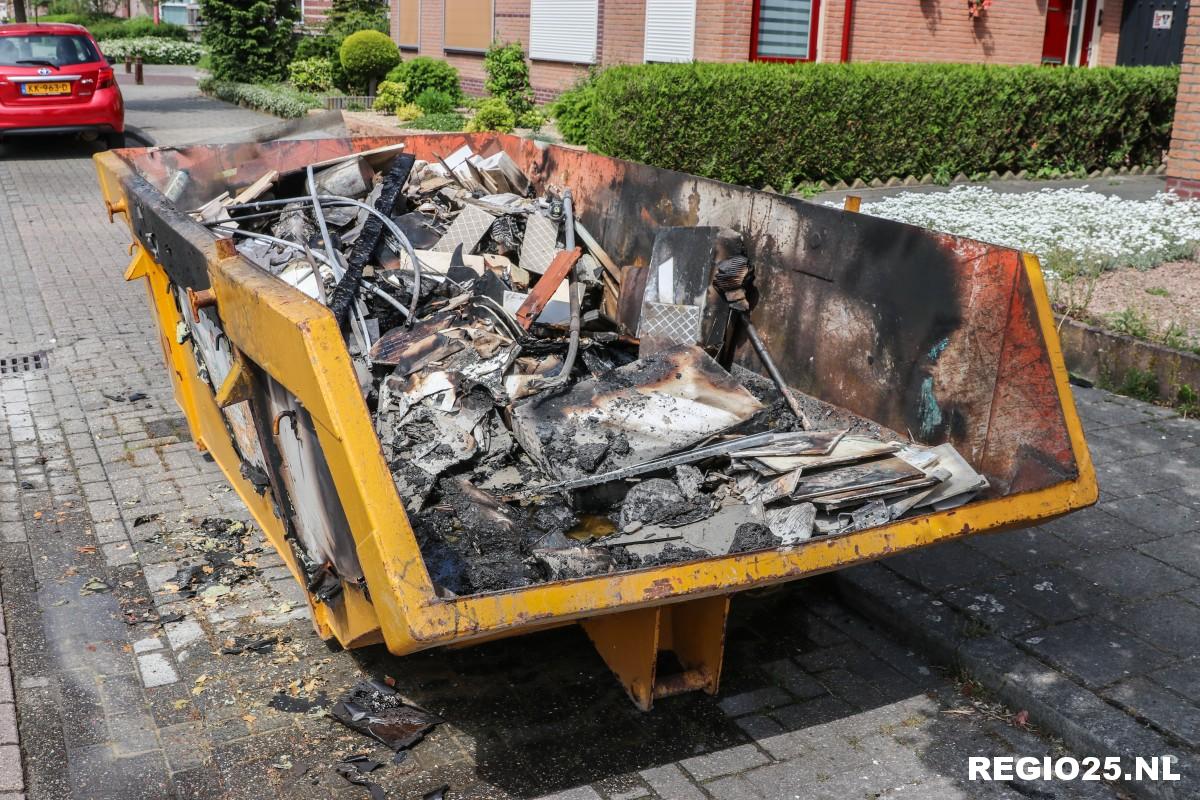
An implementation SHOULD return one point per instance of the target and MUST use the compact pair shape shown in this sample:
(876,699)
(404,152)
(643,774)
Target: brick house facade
(1183,165)
(565,37)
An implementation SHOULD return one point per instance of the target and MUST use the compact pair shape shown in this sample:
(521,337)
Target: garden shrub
(572,111)
(411,111)
(786,124)
(388,97)
(323,46)
(350,16)
(152,50)
(432,101)
(282,101)
(532,119)
(135,28)
(368,55)
(439,122)
(508,76)
(422,73)
(493,115)
(311,74)
(249,40)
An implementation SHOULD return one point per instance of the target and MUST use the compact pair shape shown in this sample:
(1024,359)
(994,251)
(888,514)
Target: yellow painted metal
(630,643)
(296,341)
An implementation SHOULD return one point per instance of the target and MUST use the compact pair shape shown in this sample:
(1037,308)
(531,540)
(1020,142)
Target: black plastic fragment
(344,294)
(377,710)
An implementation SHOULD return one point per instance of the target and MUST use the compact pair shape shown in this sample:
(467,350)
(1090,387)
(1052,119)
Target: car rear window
(40,49)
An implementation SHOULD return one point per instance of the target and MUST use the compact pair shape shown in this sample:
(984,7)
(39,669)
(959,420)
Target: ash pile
(531,435)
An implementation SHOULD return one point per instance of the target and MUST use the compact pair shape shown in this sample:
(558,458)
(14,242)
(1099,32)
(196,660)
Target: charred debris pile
(531,436)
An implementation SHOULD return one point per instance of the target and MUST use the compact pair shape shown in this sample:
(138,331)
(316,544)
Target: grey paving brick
(734,787)
(670,781)
(8,723)
(1169,623)
(1181,551)
(1133,575)
(578,793)
(1182,678)
(944,566)
(1157,513)
(1094,651)
(757,700)
(1161,708)
(11,778)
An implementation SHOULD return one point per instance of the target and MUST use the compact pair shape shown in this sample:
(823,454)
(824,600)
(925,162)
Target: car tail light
(105,79)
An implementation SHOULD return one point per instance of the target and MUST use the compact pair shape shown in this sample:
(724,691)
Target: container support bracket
(631,642)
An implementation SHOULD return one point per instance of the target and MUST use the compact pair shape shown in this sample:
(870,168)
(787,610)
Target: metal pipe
(773,371)
(573,292)
(324,259)
(363,332)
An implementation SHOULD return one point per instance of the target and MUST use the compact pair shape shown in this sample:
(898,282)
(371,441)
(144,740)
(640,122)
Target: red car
(53,79)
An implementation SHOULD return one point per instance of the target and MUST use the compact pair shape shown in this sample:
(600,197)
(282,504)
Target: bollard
(128,64)
(137,70)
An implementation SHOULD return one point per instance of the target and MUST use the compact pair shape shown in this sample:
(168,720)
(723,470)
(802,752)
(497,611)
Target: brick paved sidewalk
(101,500)
(1096,616)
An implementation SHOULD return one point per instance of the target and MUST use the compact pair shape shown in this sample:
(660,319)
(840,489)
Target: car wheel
(115,140)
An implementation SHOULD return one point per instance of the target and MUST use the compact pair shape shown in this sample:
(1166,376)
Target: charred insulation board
(650,408)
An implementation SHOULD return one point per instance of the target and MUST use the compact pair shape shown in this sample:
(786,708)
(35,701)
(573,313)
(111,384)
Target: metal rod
(324,259)
(773,371)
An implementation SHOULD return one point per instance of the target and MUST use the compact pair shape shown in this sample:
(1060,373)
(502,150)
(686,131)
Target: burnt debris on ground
(545,413)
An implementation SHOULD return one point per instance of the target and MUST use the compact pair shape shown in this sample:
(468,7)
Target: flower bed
(1094,228)
(153,50)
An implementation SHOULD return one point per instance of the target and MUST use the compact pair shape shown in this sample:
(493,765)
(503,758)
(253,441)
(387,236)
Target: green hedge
(277,99)
(788,124)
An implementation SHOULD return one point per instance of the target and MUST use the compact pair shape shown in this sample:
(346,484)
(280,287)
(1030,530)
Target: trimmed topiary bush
(493,115)
(508,76)
(788,124)
(432,101)
(368,55)
(422,73)
(249,40)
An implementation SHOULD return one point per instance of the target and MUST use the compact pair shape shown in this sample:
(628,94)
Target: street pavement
(103,497)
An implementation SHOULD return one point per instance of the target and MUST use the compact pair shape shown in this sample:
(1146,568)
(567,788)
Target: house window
(410,23)
(785,30)
(468,25)
(563,30)
(670,30)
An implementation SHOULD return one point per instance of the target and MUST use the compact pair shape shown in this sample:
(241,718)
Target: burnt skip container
(948,339)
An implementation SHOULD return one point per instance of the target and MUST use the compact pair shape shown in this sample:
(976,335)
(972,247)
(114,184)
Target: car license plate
(46,88)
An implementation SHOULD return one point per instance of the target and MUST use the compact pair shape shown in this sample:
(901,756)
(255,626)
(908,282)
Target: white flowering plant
(1094,228)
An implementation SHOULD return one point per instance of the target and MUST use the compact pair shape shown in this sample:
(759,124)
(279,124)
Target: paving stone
(1182,678)
(945,565)
(8,723)
(1169,623)
(669,781)
(734,787)
(795,680)
(156,670)
(1156,513)
(757,700)
(11,779)
(183,633)
(724,762)
(1181,551)
(1094,651)
(1132,575)
(578,793)
(97,774)
(1162,709)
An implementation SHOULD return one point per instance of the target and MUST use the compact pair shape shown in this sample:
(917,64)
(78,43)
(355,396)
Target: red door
(1058,30)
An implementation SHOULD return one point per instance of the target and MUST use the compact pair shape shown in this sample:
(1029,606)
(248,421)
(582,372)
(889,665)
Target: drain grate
(15,365)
